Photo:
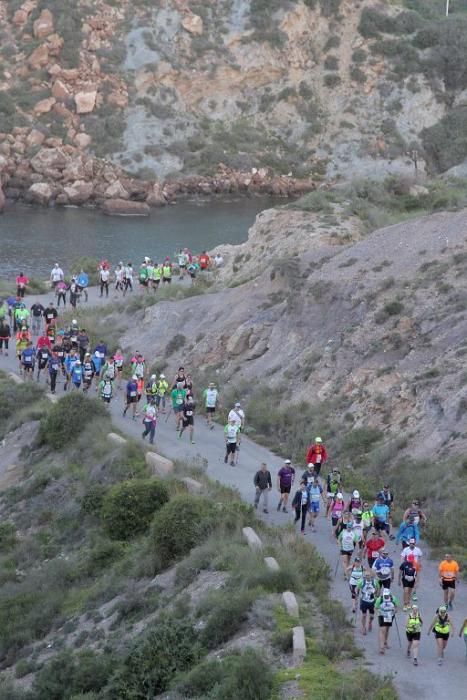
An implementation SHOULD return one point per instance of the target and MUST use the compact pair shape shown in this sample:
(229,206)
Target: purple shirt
(286,476)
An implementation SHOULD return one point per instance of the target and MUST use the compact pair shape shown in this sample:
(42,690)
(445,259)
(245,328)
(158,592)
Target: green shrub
(88,265)
(331,63)
(68,418)
(7,536)
(360,440)
(14,398)
(227,611)
(168,648)
(7,104)
(244,675)
(332,80)
(393,308)
(357,74)
(91,502)
(180,525)
(176,343)
(68,674)
(128,508)
(445,143)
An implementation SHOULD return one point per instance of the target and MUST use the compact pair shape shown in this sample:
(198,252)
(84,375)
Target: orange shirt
(448,570)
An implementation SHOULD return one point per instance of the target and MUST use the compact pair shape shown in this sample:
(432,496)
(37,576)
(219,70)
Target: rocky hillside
(140,101)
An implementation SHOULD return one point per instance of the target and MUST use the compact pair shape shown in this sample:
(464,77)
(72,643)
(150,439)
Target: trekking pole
(337,566)
(168,414)
(397,629)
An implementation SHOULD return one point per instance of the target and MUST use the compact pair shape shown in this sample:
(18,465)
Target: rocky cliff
(117,100)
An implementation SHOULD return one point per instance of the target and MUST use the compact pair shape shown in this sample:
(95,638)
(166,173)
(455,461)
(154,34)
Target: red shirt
(204,261)
(316,454)
(44,342)
(374,545)
(21,280)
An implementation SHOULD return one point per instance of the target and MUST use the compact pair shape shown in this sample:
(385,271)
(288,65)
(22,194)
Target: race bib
(132,393)
(387,616)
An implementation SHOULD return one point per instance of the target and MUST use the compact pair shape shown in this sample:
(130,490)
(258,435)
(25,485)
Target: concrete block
(252,538)
(160,466)
(272,564)
(116,439)
(16,378)
(290,603)
(299,646)
(192,485)
(52,397)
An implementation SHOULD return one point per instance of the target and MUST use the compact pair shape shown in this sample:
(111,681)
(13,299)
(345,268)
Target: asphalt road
(428,680)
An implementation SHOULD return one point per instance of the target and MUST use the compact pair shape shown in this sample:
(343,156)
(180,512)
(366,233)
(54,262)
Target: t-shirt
(286,476)
(189,409)
(104,274)
(374,545)
(210,396)
(231,433)
(383,568)
(178,397)
(408,571)
(416,551)
(237,415)
(37,310)
(381,512)
(448,569)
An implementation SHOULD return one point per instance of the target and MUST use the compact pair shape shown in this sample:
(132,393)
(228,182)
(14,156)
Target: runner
(188,418)
(89,371)
(211,397)
(56,275)
(50,313)
(355,502)
(53,367)
(231,431)
(386,605)
(413,629)
(300,504)
(333,486)
(110,369)
(23,338)
(373,546)
(384,569)
(463,633)
(76,374)
(151,388)
(60,292)
(119,359)
(131,395)
(238,416)
(74,292)
(28,359)
(138,366)
(347,541)
(367,588)
(162,389)
(119,277)
(419,516)
(104,277)
(5,335)
(21,315)
(367,520)
(150,271)
(355,573)
(448,575)
(83,342)
(21,283)
(316,454)
(285,479)
(408,578)
(149,421)
(83,284)
(315,492)
(337,508)
(178,396)
(106,388)
(204,261)
(182,259)
(388,496)
(127,278)
(381,515)
(263,484)
(407,531)
(37,312)
(308,475)
(166,272)
(441,627)
(43,354)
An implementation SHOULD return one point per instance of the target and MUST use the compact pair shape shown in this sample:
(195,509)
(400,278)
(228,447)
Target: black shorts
(167,279)
(285,489)
(231,448)
(156,282)
(210,409)
(144,283)
(188,420)
(382,622)
(448,584)
(131,399)
(353,590)
(407,584)
(441,635)
(379,526)
(413,636)
(344,552)
(28,368)
(367,606)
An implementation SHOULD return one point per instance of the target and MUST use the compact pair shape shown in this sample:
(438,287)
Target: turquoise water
(33,239)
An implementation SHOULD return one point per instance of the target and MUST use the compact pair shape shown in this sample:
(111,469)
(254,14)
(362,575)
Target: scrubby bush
(69,674)
(7,536)
(244,675)
(176,343)
(14,398)
(68,418)
(128,508)
(445,143)
(168,648)
(180,525)
(227,611)
(332,80)
(360,440)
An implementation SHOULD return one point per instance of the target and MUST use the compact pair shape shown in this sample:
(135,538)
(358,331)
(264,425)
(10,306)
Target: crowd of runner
(362,531)
(65,356)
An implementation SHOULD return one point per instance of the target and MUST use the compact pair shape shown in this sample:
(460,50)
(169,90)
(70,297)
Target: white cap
(237,404)
(161,376)
(153,376)
(339,495)
(74,321)
(355,494)
(134,376)
(310,464)
(386,592)
(287,461)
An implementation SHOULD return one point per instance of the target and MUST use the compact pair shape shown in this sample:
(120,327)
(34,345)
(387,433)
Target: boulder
(39,57)
(82,140)
(48,158)
(119,99)
(299,645)
(192,485)
(20,17)
(54,70)
(116,439)
(44,25)
(85,101)
(160,466)
(271,564)
(55,44)
(44,106)
(193,24)
(79,192)
(116,191)
(40,192)
(123,207)
(70,74)
(35,138)
(156,198)
(290,603)
(60,90)
(252,538)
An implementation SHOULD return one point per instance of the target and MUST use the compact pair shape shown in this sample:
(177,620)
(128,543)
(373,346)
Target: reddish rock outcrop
(123,207)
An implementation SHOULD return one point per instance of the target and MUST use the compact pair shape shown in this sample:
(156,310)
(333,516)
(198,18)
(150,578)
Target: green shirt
(178,397)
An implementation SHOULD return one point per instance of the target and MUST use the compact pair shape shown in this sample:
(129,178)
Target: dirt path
(425,682)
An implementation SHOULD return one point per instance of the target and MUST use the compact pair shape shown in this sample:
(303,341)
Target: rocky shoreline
(60,175)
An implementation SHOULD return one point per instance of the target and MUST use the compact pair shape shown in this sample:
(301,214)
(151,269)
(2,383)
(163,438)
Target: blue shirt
(381,563)
(381,512)
(131,388)
(83,280)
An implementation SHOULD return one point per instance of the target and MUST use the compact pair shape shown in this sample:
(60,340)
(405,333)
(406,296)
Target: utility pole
(447,8)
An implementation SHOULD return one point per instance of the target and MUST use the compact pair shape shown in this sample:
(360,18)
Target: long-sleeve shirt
(262,479)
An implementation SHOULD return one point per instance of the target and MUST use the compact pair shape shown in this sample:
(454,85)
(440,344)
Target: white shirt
(56,274)
(237,415)
(211,398)
(416,551)
(105,274)
(219,260)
